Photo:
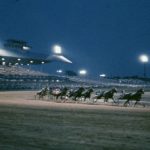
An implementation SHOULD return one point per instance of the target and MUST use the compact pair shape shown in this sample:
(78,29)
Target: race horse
(54,92)
(76,94)
(43,92)
(107,95)
(62,93)
(133,97)
(87,94)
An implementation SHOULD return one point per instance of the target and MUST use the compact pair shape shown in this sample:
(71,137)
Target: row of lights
(56,49)
(143,58)
(82,72)
(19,60)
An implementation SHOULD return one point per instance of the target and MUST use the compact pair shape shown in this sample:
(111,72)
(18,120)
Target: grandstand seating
(20,78)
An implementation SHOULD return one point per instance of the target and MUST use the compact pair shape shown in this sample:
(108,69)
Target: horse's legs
(105,99)
(94,100)
(118,101)
(48,96)
(75,98)
(61,97)
(127,101)
(114,100)
(137,102)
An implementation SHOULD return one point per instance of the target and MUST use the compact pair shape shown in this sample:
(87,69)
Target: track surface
(26,124)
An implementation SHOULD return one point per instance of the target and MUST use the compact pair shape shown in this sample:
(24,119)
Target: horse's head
(65,89)
(114,90)
(90,90)
(81,89)
(141,91)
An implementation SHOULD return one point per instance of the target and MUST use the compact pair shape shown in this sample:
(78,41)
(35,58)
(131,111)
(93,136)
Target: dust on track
(26,98)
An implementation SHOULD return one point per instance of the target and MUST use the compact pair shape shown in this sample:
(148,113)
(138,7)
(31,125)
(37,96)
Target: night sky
(102,36)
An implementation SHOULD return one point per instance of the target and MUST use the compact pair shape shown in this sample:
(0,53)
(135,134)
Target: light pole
(144,59)
(42,63)
(57,50)
(82,73)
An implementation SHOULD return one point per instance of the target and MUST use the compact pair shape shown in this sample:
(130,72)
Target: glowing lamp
(82,72)
(144,58)
(57,49)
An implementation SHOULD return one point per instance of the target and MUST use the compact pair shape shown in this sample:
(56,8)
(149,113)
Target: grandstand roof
(18,53)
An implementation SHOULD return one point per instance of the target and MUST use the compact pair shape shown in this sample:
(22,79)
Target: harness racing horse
(76,94)
(107,95)
(87,94)
(133,97)
(100,95)
(54,92)
(42,93)
(62,93)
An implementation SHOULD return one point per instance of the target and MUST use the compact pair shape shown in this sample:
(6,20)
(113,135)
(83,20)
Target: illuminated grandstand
(21,78)
(12,78)
(16,56)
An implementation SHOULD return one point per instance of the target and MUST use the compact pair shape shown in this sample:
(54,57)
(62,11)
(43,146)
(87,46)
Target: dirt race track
(27,124)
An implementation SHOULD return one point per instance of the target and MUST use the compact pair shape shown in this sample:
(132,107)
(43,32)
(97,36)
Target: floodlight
(83,72)
(57,49)
(144,58)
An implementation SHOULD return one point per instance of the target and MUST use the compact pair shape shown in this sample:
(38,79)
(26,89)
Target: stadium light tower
(144,59)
